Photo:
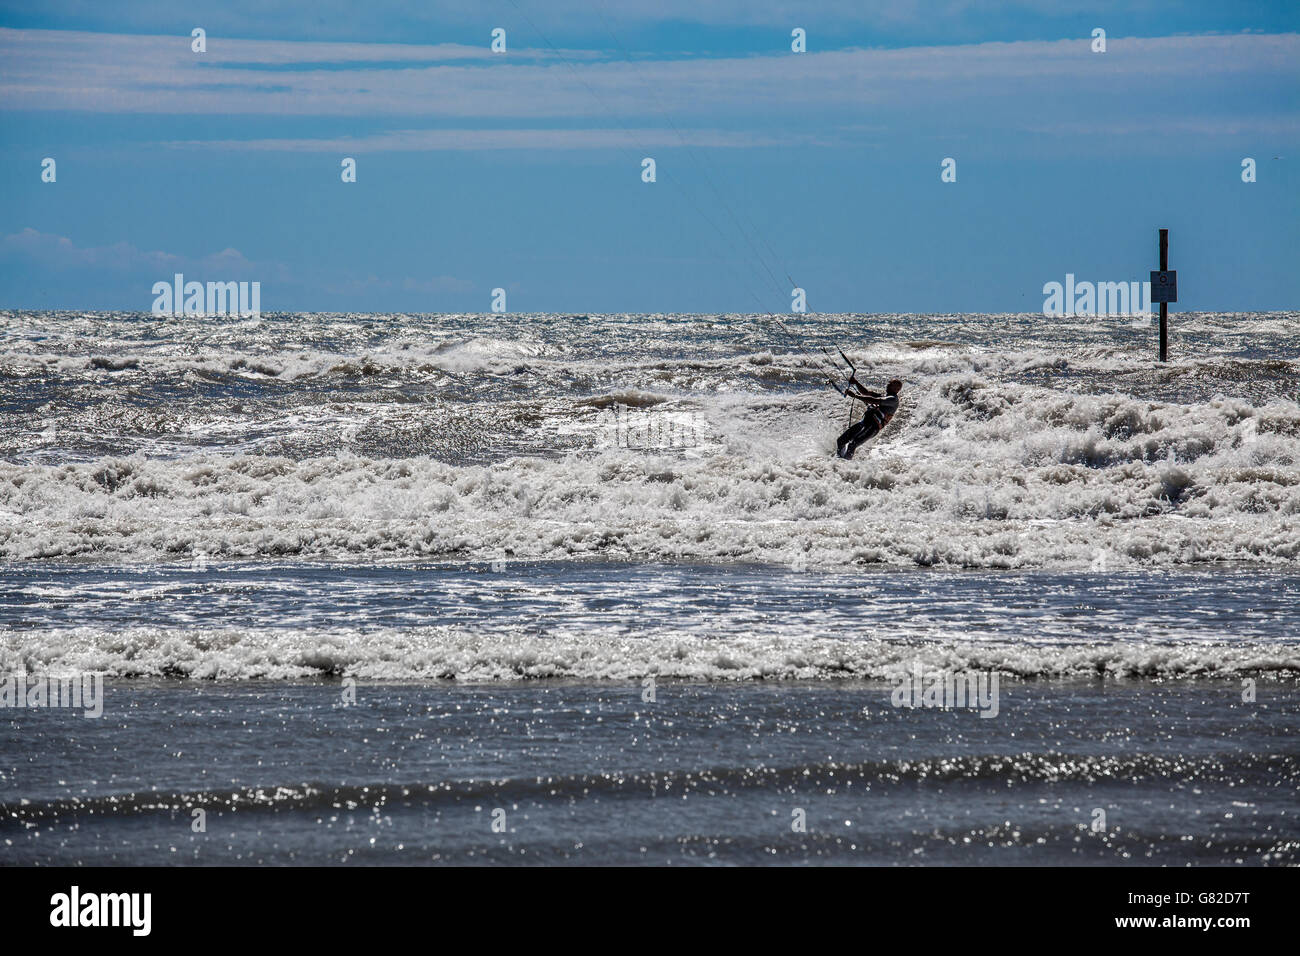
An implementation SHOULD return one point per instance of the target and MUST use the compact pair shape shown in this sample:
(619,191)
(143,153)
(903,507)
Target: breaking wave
(603,654)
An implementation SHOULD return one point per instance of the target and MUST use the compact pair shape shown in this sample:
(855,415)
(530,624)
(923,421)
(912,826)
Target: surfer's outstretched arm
(857,390)
(862,394)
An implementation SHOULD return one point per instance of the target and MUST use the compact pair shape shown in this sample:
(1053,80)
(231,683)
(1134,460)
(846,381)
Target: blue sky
(523,170)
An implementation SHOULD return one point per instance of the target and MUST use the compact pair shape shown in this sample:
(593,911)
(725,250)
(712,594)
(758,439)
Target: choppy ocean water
(494,530)
(586,772)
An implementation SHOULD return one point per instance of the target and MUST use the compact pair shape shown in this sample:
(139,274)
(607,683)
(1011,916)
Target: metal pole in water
(1164,305)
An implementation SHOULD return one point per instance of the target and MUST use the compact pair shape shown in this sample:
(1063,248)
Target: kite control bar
(853,369)
(853,374)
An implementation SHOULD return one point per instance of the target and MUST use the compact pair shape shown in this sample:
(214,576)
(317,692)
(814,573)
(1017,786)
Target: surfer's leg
(853,437)
(846,439)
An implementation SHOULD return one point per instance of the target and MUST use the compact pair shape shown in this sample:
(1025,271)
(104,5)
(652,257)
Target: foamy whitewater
(1022,442)
(495,529)
(471,442)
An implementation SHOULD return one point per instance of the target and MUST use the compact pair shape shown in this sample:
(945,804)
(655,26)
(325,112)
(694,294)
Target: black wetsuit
(876,418)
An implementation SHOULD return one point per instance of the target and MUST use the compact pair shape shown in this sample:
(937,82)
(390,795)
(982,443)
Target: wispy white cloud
(1165,125)
(420,140)
(1208,83)
(48,70)
(54,254)
(52,257)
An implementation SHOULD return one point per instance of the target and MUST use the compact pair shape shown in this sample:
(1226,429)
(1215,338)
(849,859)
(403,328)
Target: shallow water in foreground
(527,690)
(1184,773)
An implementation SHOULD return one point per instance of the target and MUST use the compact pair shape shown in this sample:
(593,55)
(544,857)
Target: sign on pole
(1164,286)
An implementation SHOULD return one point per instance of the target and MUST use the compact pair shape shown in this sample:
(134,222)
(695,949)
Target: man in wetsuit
(880,409)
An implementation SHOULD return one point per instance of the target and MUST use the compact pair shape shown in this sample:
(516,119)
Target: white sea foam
(463,654)
(366,437)
(972,472)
